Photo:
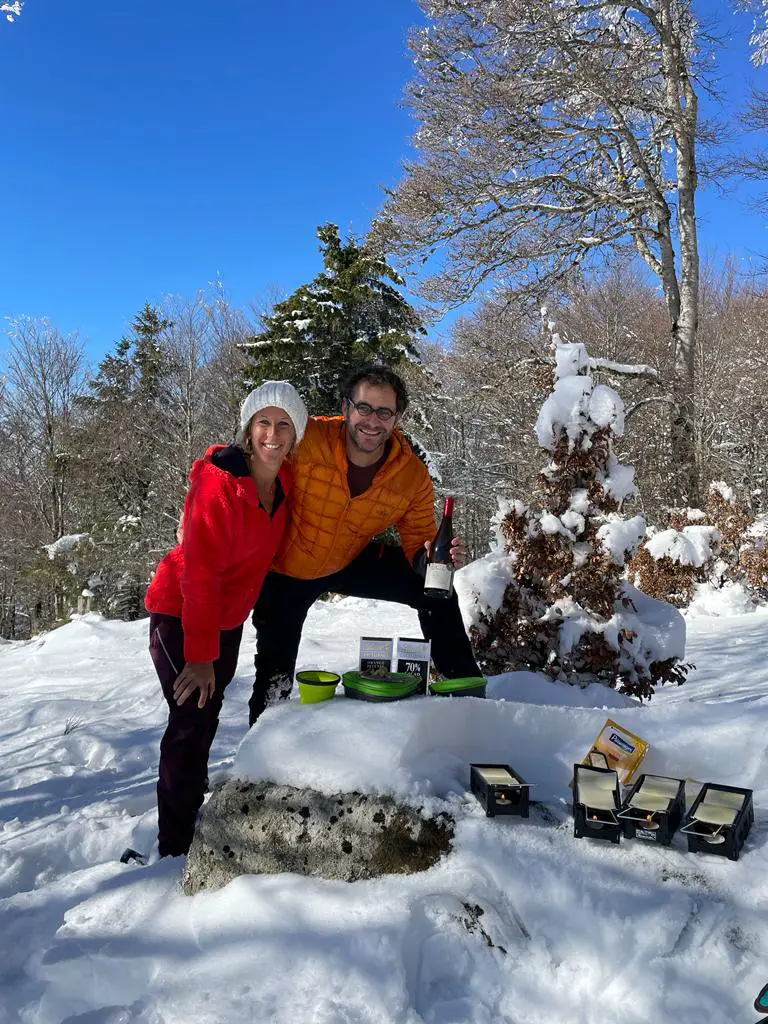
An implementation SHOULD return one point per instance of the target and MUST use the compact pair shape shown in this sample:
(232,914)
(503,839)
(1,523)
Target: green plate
(469,686)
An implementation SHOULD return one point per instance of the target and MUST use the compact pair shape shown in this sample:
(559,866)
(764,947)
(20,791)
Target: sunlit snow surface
(572,930)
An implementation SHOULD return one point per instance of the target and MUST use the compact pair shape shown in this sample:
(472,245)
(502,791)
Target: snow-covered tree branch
(759,38)
(548,134)
(11,10)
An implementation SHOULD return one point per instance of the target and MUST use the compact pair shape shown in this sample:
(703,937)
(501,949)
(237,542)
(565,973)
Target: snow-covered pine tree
(566,609)
(127,438)
(351,313)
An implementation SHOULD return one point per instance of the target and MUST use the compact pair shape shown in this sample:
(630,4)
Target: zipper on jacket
(159,636)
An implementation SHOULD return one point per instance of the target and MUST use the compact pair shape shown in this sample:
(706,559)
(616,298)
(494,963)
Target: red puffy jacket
(212,578)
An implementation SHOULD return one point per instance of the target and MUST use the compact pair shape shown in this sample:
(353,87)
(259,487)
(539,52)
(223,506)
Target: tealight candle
(649,823)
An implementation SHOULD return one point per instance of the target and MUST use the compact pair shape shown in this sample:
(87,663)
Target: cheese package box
(617,748)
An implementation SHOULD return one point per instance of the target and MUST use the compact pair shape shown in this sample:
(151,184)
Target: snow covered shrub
(723,543)
(565,609)
(754,559)
(744,546)
(672,561)
(731,517)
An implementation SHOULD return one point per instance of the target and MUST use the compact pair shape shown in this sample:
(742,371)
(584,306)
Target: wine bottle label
(439,576)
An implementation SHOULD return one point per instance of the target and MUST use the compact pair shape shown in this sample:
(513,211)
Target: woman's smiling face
(271,435)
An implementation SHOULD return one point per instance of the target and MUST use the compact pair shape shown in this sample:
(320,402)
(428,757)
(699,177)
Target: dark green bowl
(469,686)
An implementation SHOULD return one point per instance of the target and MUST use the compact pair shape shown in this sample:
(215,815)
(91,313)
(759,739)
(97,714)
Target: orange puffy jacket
(328,528)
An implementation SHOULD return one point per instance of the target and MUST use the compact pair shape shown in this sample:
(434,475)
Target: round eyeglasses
(381,413)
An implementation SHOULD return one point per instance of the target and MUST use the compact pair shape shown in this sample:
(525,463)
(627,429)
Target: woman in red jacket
(234,518)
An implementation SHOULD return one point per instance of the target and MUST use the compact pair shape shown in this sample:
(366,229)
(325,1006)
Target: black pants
(380,572)
(189,734)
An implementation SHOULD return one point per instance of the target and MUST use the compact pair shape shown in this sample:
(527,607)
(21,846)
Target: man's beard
(367,443)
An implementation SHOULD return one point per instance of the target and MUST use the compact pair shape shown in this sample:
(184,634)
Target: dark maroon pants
(189,734)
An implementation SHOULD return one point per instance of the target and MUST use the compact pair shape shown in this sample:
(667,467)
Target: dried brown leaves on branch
(736,551)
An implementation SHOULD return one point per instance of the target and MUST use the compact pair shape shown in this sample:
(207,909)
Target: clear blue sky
(148,147)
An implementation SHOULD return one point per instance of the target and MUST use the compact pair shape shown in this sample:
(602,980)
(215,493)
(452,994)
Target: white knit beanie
(281,395)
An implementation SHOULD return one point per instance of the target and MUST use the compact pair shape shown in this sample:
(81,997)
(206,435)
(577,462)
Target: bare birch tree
(548,133)
(45,376)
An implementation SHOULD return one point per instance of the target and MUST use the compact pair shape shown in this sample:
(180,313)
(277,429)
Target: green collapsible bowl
(469,686)
(397,686)
(315,685)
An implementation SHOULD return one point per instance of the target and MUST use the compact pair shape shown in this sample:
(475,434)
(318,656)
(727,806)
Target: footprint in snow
(456,970)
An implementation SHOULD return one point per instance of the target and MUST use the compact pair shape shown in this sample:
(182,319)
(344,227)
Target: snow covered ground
(521,923)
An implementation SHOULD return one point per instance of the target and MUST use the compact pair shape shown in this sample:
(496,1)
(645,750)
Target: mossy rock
(262,828)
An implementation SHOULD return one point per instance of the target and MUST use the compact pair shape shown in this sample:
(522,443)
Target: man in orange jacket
(354,476)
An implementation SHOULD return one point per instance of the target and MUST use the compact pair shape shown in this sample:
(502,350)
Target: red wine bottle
(439,578)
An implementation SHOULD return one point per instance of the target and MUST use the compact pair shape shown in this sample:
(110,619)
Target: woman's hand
(196,675)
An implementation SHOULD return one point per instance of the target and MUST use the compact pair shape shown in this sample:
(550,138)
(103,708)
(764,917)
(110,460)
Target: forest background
(559,157)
